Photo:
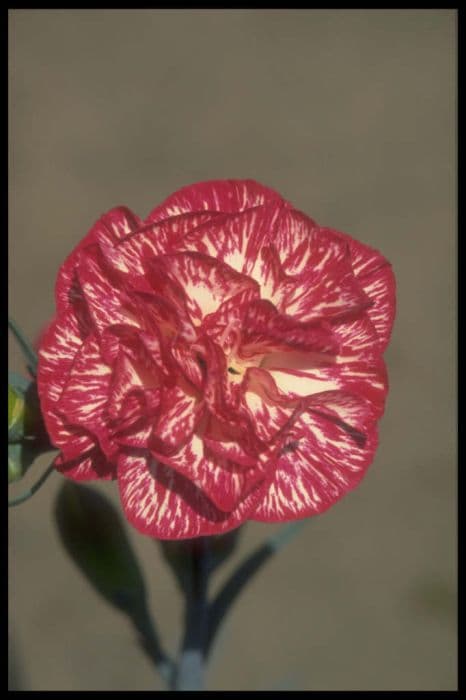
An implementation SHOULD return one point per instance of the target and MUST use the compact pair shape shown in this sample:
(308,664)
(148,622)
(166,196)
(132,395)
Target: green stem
(26,347)
(190,670)
(238,580)
(30,492)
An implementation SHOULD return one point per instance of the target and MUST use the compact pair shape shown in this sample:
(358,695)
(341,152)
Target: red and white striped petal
(364,379)
(105,301)
(236,239)
(85,395)
(112,226)
(188,362)
(216,196)
(162,503)
(128,255)
(89,466)
(180,411)
(374,273)
(326,290)
(323,458)
(265,330)
(71,440)
(230,445)
(59,346)
(294,241)
(207,283)
(357,338)
(380,288)
(225,325)
(267,416)
(223,482)
(126,376)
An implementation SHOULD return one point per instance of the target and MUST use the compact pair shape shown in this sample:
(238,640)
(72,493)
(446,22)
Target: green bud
(94,537)
(16,410)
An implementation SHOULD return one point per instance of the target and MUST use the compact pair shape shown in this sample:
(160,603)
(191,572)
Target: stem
(238,580)
(25,346)
(190,670)
(30,492)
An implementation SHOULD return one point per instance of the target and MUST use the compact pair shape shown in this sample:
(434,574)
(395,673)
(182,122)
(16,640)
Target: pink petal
(324,457)
(380,288)
(357,338)
(293,239)
(266,415)
(217,196)
(327,287)
(85,394)
(367,380)
(105,301)
(265,330)
(180,411)
(225,325)
(112,226)
(235,239)
(223,482)
(374,273)
(206,282)
(188,361)
(128,375)
(161,503)
(128,255)
(59,346)
(230,446)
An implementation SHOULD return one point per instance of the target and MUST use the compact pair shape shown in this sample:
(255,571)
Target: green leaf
(94,537)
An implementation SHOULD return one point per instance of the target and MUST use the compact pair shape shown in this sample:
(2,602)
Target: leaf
(93,535)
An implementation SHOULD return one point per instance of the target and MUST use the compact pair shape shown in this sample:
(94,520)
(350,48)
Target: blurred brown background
(351,116)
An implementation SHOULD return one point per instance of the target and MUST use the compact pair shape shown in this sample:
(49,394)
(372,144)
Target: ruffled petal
(325,455)
(180,411)
(206,282)
(367,380)
(216,196)
(128,255)
(235,239)
(375,275)
(85,395)
(111,227)
(105,301)
(293,239)
(162,503)
(223,482)
(267,416)
(327,288)
(265,330)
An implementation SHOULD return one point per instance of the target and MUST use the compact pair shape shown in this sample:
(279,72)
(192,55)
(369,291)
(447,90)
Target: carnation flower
(222,359)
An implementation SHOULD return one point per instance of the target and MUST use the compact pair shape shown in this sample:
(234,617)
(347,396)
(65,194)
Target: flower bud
(16,410)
